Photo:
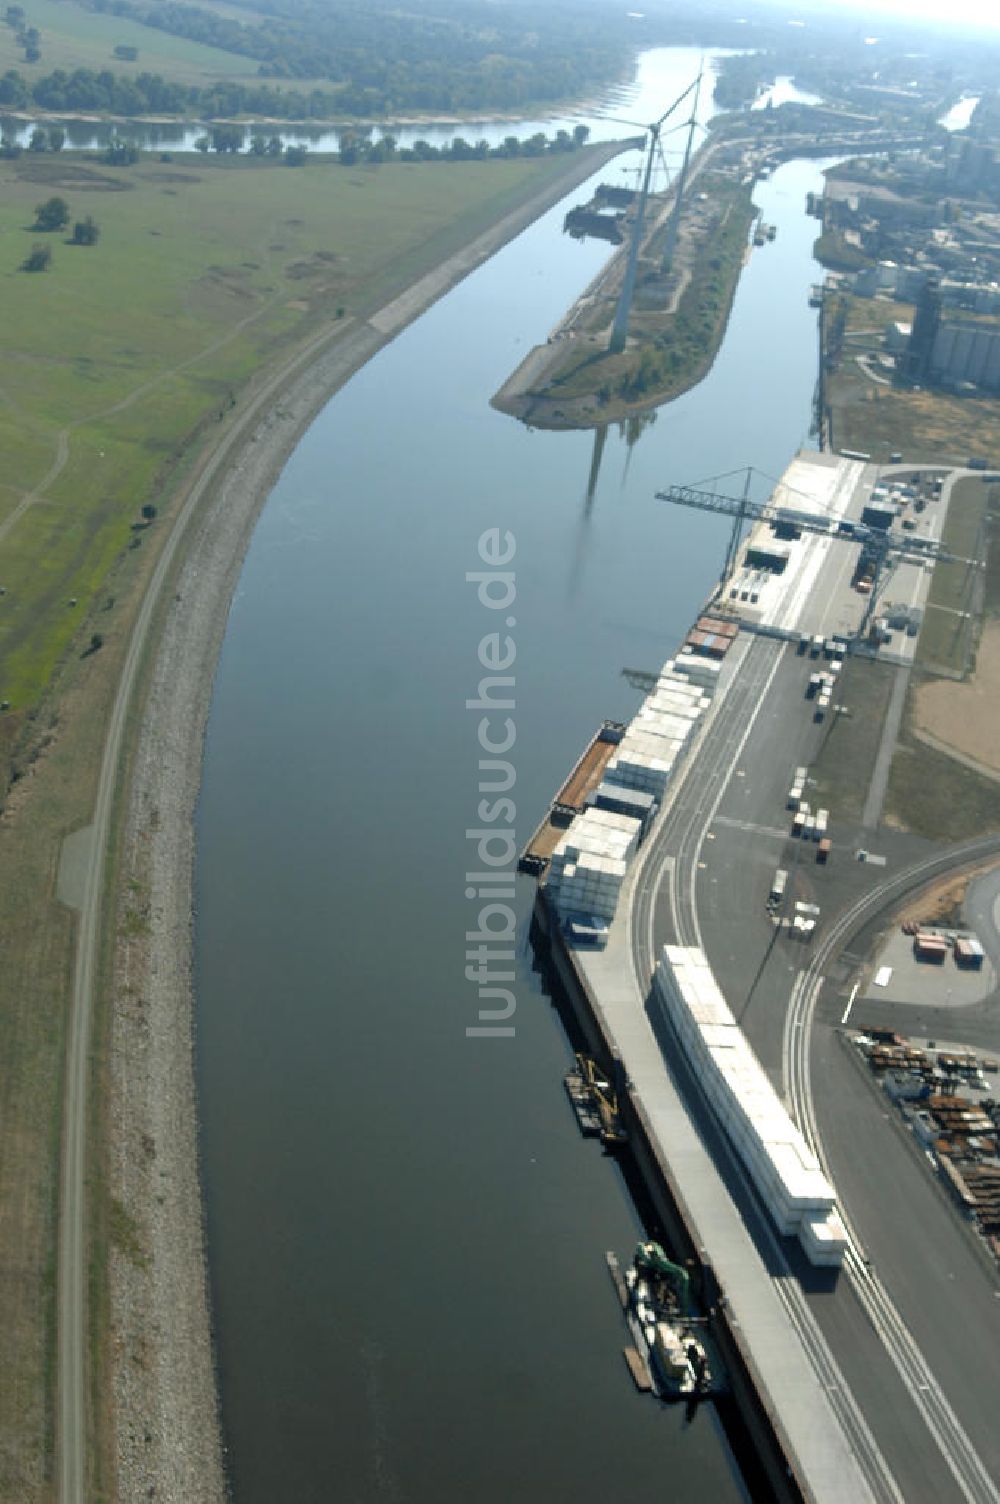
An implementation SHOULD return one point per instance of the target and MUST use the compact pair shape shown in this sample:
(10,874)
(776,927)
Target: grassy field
(876,313)
(948,635)
(843,769)
(121,359)
(72,37)
(935,796)
(203,269)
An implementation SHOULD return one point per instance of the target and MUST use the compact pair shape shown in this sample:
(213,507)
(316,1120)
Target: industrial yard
(705,901)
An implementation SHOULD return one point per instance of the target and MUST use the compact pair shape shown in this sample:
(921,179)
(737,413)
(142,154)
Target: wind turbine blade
(679,100)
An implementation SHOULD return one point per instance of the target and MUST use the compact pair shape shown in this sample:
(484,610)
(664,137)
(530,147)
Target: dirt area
(941,904)
(967,716)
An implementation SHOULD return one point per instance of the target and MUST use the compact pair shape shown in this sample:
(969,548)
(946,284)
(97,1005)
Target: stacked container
(589,864)
(787,1175)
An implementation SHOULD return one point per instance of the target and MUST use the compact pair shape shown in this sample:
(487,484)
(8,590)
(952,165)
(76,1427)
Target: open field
(875,313)
(935,795)
(880,419)
(951,797)
(123,362)
(72,37)
(121,350)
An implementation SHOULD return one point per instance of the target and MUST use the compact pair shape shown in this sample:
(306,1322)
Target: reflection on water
(660,73)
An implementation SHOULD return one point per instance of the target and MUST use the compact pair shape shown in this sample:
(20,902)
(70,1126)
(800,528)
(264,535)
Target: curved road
(968,1470)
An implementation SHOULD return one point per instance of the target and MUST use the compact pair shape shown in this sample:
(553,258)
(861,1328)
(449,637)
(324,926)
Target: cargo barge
(571,800)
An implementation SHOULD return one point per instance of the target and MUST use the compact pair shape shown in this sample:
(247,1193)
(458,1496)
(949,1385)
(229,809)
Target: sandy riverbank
(165,1411)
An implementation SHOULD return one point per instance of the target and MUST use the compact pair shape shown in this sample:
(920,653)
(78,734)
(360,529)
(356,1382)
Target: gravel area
(165,1410)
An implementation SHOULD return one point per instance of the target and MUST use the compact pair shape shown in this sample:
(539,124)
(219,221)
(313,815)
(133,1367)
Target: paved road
(982,912)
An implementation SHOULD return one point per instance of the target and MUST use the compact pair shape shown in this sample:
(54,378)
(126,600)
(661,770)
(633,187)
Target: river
(406,1231)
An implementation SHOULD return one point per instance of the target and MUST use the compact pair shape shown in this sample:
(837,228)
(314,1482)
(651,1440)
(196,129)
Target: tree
(258,146)
(227,138)
(38,260)
(86,232)
(295,156)
(202,144)
(580,134)
(57,138)
(121,153)
(38,140)
(52,215)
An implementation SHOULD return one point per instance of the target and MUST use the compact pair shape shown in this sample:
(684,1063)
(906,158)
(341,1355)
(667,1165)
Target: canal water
(406,1231)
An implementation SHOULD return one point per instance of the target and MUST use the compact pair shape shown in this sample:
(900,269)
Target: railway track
(673,859)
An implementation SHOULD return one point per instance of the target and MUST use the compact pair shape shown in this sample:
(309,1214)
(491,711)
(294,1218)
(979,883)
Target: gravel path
(166,1423)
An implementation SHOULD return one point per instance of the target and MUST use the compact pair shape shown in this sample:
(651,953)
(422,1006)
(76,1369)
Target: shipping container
(929,947)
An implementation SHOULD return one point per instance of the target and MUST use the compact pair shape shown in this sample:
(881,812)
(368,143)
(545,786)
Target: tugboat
(669,1355)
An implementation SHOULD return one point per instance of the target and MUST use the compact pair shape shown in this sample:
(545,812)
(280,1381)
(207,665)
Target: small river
(406,1231)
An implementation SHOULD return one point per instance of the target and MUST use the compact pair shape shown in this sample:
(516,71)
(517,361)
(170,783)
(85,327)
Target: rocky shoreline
(166,1431)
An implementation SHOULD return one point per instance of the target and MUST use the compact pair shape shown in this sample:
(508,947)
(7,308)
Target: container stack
(622,801)
(784,1170)
(588,865)
(650,752)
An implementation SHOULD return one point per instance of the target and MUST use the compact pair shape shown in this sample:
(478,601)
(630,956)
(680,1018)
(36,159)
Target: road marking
(850,1003)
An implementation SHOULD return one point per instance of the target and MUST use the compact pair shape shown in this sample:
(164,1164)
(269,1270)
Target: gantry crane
(880,548)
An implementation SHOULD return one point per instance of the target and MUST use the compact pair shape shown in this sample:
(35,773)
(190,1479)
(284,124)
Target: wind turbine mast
(675,217)
(619,329)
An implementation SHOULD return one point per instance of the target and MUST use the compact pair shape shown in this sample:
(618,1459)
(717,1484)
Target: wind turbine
(619,329)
